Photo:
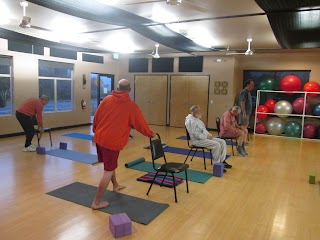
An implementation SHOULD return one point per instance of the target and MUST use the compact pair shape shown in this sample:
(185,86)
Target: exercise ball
(283,107)
(309,131)
(270,105)
(292,129)
(262,109)
(260,128)
(312,87)
(275,126)
(298,105)
(290,83)
(316,110)
(266,83)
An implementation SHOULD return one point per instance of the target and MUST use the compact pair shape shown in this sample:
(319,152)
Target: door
(187,91)
(151,97)
(101,86)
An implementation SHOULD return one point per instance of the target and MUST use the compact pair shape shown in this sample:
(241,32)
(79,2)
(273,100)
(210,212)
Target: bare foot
(118,188)
(100,205)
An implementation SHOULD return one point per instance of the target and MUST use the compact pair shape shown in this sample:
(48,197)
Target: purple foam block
(41,150)
(218,169)
(120,225)
(63,145)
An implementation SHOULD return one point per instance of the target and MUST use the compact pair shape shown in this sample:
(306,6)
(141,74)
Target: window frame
(10,76)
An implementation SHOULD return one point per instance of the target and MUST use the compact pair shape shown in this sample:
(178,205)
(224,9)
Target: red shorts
(108,157)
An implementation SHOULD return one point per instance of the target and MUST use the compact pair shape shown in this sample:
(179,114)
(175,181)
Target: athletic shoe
(33,147)
(241,152)
(29,149)
(224,171)
(226,165)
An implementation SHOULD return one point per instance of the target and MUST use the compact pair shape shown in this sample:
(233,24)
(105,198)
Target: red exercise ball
(309,131)
(262,109)
(260,128)
(298,105)
(270,105)
(290,83)
(312,87)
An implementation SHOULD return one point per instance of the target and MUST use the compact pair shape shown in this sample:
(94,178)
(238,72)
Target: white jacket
(196,128)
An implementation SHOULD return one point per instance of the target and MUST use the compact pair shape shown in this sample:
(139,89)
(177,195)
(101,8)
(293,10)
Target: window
(5,86)
(55,81)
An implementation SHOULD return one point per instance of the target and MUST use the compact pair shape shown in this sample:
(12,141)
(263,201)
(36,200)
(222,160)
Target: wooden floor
(264,196)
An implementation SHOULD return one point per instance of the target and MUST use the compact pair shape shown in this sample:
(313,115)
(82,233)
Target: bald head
(124,85)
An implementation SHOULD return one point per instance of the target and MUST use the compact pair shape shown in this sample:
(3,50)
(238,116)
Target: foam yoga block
(312,178)
(63,145)
(120,225)
(41,150)
(218,169)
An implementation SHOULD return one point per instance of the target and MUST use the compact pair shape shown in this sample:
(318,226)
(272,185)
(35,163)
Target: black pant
(27,125)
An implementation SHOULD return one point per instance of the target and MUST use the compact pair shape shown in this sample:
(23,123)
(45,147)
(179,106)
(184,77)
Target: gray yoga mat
(73,155)
(138,210)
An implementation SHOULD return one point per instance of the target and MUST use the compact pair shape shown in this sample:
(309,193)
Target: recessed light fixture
(220,60)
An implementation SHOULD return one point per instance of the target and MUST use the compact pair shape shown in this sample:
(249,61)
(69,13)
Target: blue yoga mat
(193,175)
(185,151)
(185,138)
(73,155)
(79,135)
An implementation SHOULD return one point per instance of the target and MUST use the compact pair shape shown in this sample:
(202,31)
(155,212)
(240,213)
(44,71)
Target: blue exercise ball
(316,110)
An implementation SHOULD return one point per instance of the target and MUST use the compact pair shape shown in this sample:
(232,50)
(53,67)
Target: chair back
(35,121)
(218,125)
(156,149)
(188,137)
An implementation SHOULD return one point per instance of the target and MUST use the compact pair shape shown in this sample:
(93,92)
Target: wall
(231,70)
(25,85)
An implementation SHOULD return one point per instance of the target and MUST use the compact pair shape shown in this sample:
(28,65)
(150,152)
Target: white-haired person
(230,128)
(199,136)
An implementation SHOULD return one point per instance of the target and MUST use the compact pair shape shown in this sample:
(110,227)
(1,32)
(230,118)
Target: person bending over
(24,113)
(199,136)
(230,128)
(113,120)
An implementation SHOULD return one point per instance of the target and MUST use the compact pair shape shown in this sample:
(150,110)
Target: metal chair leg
(163,179)
(50,138)
(152,182)
(187,180)
(204,159)
(174,187)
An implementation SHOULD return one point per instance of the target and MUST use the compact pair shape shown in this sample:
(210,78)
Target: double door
(187,91)
(151,96)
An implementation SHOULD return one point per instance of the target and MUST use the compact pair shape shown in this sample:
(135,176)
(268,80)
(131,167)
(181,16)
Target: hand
(210,137)
(41,130)
(153,134)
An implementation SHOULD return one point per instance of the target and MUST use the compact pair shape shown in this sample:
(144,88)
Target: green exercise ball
(292,129)
(266,83)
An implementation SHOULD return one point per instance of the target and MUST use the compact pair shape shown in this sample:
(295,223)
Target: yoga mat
(138,210)
(193,175)
(185,151)
(73,155)
(79,135)
(185,138)
(168,180)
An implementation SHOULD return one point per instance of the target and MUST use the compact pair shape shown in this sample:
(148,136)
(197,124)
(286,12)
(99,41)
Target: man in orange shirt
(113,120)
(24,113)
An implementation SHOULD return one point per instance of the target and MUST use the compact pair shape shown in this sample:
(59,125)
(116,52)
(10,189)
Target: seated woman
(230,128)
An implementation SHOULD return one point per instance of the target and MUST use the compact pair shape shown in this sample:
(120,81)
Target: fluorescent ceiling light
(120,43)
(109,2)
(5,15)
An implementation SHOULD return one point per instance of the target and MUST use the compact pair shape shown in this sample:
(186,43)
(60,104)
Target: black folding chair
(195,149)
(168,167)
(38,133)
(226,138)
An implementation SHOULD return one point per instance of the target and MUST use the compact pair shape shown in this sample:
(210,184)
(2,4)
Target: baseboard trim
(52,129)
